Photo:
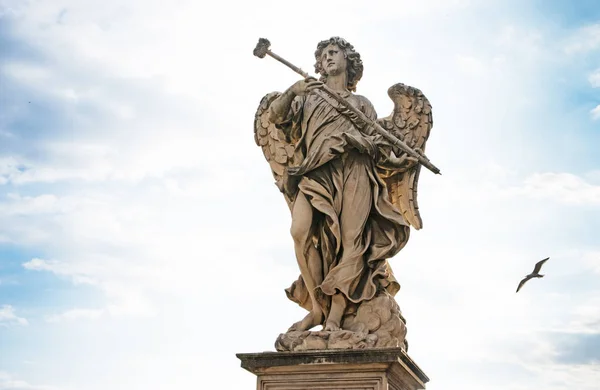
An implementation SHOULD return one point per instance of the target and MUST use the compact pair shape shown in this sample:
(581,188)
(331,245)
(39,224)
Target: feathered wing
(522,282)
(538,265)
(277,148)
(411,121)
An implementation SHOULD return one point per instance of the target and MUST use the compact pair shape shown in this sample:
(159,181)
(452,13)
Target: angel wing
(411,121)
(276,147)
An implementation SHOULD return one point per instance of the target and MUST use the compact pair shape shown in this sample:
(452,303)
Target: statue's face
(333,61)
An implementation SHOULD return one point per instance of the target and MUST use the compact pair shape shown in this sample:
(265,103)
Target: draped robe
(355,228)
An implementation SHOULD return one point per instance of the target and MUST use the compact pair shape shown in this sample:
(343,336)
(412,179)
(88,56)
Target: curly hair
(355,65)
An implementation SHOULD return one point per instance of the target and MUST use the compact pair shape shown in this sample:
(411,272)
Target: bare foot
(332,326)
(311,320)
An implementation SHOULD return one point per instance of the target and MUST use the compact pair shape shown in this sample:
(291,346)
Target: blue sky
(143,244)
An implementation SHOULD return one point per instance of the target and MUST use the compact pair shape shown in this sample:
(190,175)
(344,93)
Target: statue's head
(338,48)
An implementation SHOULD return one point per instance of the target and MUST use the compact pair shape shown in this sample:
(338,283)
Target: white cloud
(28,205)
(470,64)
(125,296)
(595,112)
(585,316)
(9,168)
(8,382)
(568,376)
(560,187)
(9,318)
(38,264)
(76,314)
(78,275)
(586,39)
(154,194)
(594,78)
(592,260)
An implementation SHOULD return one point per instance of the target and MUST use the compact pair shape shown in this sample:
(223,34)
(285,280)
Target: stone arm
(279,109)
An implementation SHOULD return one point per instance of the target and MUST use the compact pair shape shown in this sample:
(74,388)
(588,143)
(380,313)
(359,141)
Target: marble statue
(350,181)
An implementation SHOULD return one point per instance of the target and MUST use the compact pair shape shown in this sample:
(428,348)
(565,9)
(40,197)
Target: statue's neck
(338,83)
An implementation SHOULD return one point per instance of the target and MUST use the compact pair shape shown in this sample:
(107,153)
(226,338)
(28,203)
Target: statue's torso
(323,125)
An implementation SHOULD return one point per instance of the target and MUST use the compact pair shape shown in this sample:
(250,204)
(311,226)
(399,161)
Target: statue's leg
(309,259)
(357,203)
(338,306)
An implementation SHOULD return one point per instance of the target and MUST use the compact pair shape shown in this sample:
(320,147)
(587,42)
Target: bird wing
(525,279)
(538,266)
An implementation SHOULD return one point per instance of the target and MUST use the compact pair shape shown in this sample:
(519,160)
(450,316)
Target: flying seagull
(534,274)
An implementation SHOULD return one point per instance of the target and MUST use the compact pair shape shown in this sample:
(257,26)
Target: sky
(143,243)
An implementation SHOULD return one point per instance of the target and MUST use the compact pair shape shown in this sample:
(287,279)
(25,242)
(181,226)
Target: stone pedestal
(365,369)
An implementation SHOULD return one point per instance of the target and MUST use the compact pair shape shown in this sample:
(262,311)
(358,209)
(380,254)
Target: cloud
(125,298)
(585,40)
(145,185)
(8,317)
(76,314)
(8,382)
(560,187)
(568,376)
(9,168)
(592,260)
(585,318)
(594,78)
(38,264)
(78,276)
(470,64)
(595,112)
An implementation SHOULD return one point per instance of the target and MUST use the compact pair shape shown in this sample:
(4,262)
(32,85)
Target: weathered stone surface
(350,180)
(369,369)
(377,323)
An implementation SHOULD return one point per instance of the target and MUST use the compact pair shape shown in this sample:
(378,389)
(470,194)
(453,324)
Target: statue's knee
(299,232)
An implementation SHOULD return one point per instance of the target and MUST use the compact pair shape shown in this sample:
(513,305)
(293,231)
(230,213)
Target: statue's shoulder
(361,97)
(364,103)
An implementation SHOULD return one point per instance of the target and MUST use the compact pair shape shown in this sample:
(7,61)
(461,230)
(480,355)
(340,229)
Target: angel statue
(352,196)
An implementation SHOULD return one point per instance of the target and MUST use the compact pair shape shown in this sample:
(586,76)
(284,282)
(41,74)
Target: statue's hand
(304,87)
(401,163)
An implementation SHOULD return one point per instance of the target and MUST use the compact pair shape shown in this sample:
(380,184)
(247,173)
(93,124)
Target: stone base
(377,323)
(366,369)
